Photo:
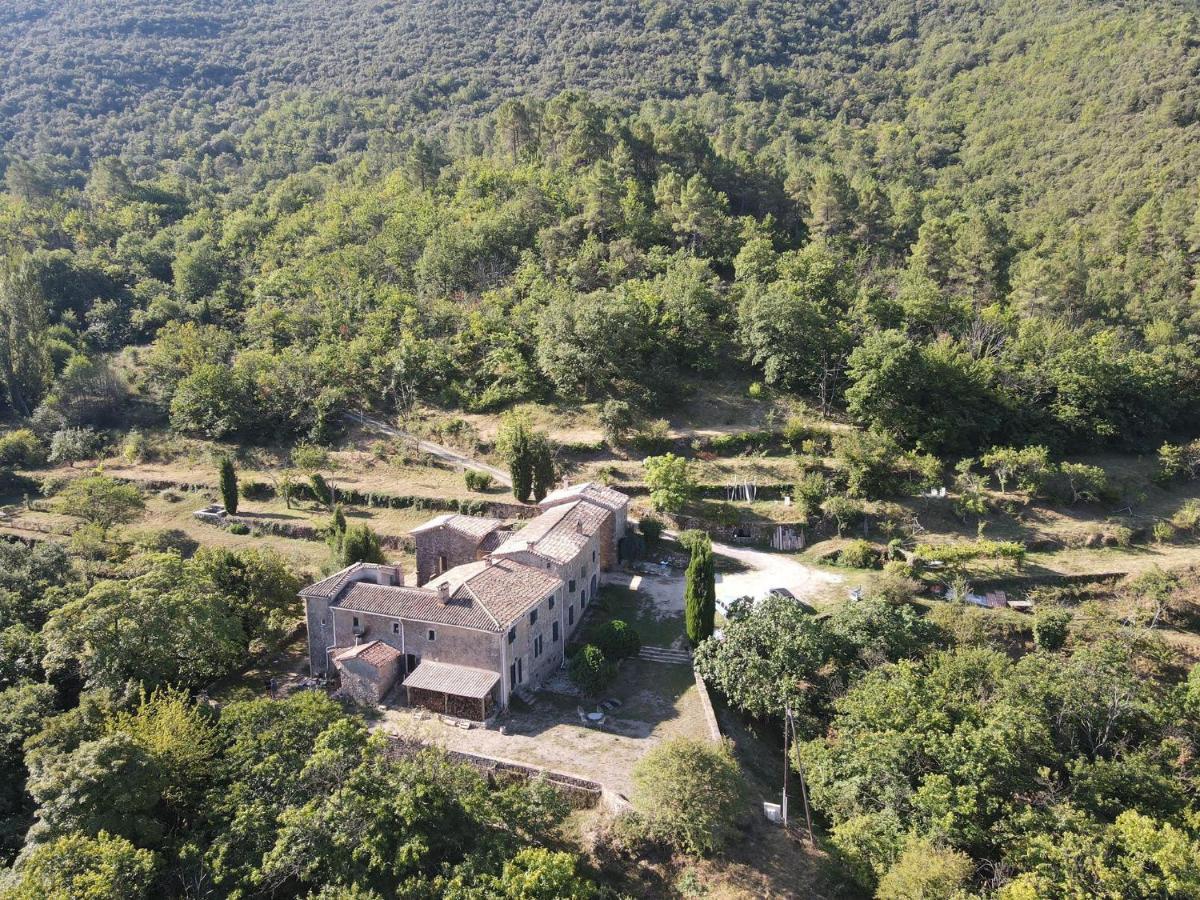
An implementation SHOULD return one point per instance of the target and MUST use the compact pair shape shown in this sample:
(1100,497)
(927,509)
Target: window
(537,646)
(441,564)
(356,621)
(571,586)
(533,617)
(395,628)
(552,601)
(582,599)
(593,556)
(432,635)
(571,615)
(512,634)
(554,632)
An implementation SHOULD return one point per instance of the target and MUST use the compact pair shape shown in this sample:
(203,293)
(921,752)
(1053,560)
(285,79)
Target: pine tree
(229,486)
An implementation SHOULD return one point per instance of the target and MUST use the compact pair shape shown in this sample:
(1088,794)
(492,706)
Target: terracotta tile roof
(418,604)
(374,653)
(328,587)
(488,595)
(558,534)
(504,587)
(447,678)
(473,526)
(599,494)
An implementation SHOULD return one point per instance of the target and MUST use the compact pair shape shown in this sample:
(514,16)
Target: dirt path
(441,452)
(766,572)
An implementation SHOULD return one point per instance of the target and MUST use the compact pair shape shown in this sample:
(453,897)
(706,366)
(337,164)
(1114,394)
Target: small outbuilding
(368,671)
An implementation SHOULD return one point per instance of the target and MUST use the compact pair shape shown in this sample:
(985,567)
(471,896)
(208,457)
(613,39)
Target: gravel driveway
(765,572)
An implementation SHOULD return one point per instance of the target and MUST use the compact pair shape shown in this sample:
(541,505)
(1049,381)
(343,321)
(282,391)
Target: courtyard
(658,701)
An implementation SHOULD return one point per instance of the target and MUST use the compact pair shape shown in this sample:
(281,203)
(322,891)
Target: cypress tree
(361,544)
(229,486)
(542,465)
(700,592)
(520,463)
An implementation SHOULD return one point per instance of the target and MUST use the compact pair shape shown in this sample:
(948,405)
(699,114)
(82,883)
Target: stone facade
(490,598)
(449,541)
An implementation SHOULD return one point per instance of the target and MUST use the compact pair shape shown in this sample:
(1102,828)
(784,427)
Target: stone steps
(666,655)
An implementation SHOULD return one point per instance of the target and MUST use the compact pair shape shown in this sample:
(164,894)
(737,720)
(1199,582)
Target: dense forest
(959,225)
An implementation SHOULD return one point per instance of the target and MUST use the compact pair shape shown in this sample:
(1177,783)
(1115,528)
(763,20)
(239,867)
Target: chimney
(444,590)
(578,526)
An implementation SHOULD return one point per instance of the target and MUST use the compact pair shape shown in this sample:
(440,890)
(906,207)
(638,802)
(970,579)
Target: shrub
(669,478)
(755,391)
(616,419)
(360,544)
(928,872)
(71,445)
(896,585)
(654,437)
(617,640)
(256,490)
(859,554)
(240,528)
(476,480)
(135,448)
(321,489)
(1187,517)
(688,794)
(844,511)
(1050,627)
(21,448)
(1078,483)
(590,671)
(652,527)
(1164,532)
(810,493)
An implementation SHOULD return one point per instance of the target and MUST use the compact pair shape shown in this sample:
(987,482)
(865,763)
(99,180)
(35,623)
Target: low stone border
(710,715)
(580,793)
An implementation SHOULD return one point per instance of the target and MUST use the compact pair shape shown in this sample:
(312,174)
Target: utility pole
(790,725)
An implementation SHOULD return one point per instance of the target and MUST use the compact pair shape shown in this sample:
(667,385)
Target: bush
(590,671)
(810,493)
(926,872)
(844,511)
(477,481)
(21,448)
(617,640)
(1164,532)
(257,490)
(652,528)
(239,528)
(227,476)
(1050,627)
(755,391)
(859,554)
(688,794)
(71,445)
(654,437)
(321,489)
(135,448)
(670,480)
(360,544)
(1187,517)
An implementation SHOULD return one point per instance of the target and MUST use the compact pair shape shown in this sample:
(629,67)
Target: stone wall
(457,548)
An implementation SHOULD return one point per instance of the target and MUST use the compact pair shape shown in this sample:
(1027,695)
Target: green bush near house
(617,640)
(590,671)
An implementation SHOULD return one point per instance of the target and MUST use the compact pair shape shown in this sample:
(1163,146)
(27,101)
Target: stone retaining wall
(710,716)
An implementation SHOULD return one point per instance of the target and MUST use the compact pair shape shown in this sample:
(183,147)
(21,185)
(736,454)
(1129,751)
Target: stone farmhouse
(492,610)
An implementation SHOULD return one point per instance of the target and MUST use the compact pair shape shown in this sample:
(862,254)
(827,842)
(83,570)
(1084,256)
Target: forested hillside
(965,224)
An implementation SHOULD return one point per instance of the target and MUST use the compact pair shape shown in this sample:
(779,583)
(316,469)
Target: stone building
(495,614)
(450,540)
(611,501)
